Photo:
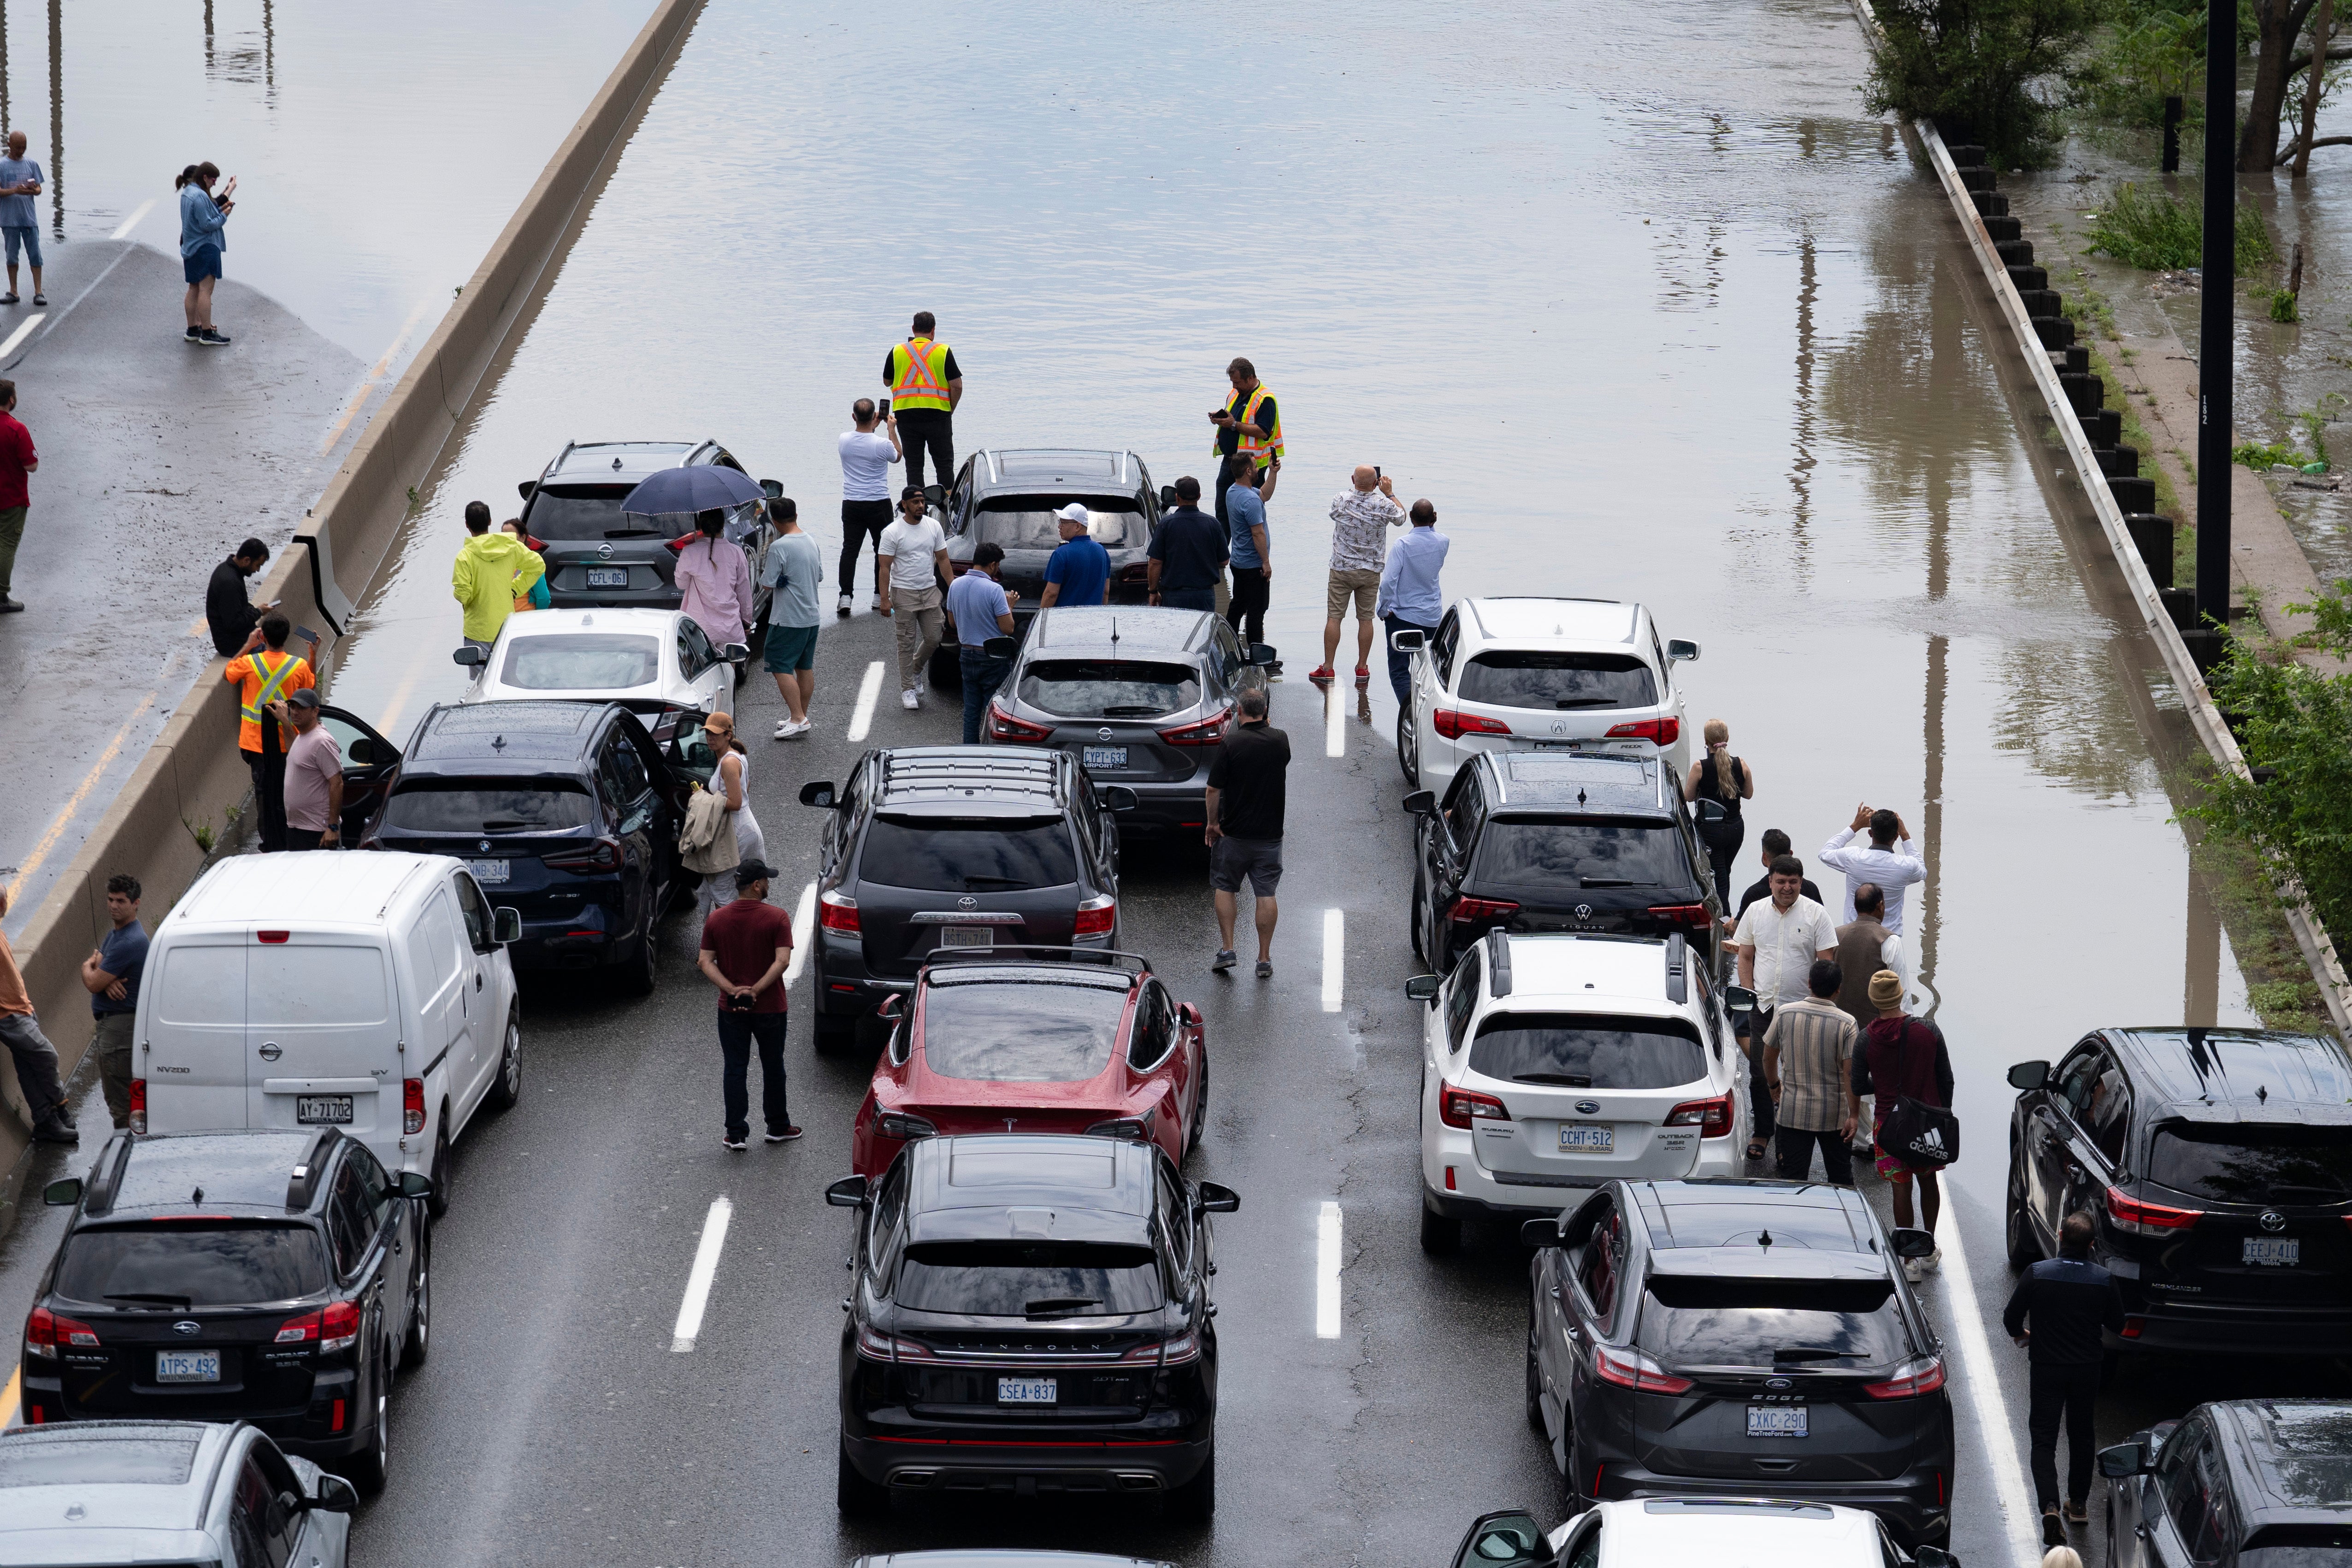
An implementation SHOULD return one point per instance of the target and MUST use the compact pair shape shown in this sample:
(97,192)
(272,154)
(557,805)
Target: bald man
(20,222)
(1360,518)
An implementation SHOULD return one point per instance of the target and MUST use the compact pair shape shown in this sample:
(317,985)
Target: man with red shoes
(1360,518)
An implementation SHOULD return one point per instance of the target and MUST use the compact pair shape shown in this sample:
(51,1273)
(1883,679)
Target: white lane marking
(1335,722)
(1334,943)
(1327,1272)
(1983,1386)
(698,1277)
(869,691)
(21,333)
(137,213)
(803,938)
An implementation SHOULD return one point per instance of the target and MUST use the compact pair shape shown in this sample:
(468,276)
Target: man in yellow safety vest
(1248,426)
(925,385)
(264,673)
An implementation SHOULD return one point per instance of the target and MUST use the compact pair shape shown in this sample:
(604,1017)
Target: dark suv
(2217,1167)
(2256,1483)
(1009,498)
(276,1277)
(1031,1314)
(1536,841)
(956,849)
(567,812)
(1733,1337)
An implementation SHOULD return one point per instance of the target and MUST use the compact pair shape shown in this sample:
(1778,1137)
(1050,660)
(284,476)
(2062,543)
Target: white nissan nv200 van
(369,992)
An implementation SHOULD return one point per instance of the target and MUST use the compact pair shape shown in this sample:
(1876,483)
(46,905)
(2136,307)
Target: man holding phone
(228,615)
(1248,426)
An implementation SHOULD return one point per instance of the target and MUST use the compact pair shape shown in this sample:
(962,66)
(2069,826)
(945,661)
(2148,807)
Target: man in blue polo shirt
(977,607)
(1188,554)
(1079,571)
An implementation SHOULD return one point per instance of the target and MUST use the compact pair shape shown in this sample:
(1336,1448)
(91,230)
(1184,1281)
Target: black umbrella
(706,487)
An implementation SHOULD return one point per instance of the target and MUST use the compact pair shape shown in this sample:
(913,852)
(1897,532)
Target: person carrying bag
(1905,1063)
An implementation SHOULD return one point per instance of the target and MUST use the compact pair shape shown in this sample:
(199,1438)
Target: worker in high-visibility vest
(925,385)
(1248,426)
(264,673)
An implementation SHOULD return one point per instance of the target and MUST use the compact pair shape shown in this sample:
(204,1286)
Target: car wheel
(368,1466)
(758,643)
(507,1088)
(834,1033)
(1420,891)
(1408,743)
(1535,1382)
(1194,1502)
(1439,1237)
(438,1204)
(1200,1102)
(856,1497)
(2111,1533)
(419,1339)
(1572,1500)
(2024,1251)
(636,972)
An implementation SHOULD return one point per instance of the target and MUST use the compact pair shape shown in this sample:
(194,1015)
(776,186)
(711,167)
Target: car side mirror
(470,656)
(848,1192)
(1420,803)
(1258,653)
(818,793)
(1000,647)
(1933,1557)
(1190,1014)
(1423,987)
(527,488)
(1712,810)
(415,1184)
(890,1006)
(1909,1242)
(1508,1539)
(1678,650)
(506,926)
(2029,1076)
(1115,797)
(62,1194)
(734,652)
(772,488)
(1407,642)
(2124,1460)
(1215,1199)
(1739,1000)
(1539,1233)
(1167,496)
(335,1495)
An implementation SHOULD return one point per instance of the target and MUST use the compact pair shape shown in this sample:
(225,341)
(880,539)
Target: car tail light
(876,1345)
(604,855)
(338,1326)
(1456,1107)
(1711,1117)
(1468,911)
(1136,1127)
(898,1124)
(335,1417)
(1173,1350)
(139,1105)
(45,1331)
(1692,915)
(2133,1328)
(1209,731)
(1003,726)
(1452,723)
(303,1330)
(837,911)
(1924,1375)
(1660,732)
(2134,1218)
(412,1105)
(273,937)
(1629,1369)
(1096,916)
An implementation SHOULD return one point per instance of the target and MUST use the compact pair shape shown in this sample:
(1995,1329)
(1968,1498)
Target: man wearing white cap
(1079,571)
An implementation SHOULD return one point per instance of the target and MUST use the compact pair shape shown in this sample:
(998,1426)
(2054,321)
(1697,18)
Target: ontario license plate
(488,870)
(330,1110)
(2272,1251)
(967,936)
(1104,756)
(1578,1138)
(1776,1421)
(608,576)
(1025,1390)
(187,1366)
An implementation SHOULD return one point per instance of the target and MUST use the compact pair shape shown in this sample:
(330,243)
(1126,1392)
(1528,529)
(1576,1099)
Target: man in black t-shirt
(1246,788)
(1188,554)
(228,614)
(1775,844)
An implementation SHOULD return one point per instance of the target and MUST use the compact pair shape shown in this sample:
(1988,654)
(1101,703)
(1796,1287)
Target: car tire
(833,1033)
(1535,1382)
(1439,1237)
(1200,1103)
(507,1088)
(438,1204)
(2111,1532)
(1408,745)
(1572,1500)
(856,1497)
(1420,944)
(758,641)
(418,1341)
(1194,1502)
(635,973)
(370,1465)
(2017,1226)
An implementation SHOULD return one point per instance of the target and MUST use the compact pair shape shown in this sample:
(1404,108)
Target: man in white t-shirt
(1778,940)
(866,455)
(913,562)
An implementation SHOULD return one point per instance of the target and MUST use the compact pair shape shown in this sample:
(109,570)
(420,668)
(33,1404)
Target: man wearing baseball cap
(1079,573)
(314,777)
(745,946)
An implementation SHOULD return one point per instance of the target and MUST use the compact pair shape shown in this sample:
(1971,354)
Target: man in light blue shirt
(20,222)
(1252,568)
(1410,599)
(977,607)
(794,568)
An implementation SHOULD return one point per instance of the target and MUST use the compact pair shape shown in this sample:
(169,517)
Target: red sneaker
(1363,675)
(1321,672)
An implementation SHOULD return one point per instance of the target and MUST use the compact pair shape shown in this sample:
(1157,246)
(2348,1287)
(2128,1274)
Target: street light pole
(2214,324)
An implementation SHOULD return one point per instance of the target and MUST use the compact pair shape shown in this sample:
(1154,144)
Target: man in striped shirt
(1808,1067)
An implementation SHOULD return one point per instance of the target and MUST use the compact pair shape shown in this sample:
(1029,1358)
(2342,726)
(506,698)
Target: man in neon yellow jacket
(492,571)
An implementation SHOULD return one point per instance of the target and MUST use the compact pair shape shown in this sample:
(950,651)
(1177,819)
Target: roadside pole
(2214,347)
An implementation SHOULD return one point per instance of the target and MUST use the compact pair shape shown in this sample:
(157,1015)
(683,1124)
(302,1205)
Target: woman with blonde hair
(1727,781)
(732,780)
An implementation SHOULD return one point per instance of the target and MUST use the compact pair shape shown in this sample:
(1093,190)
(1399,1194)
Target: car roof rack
(1498,963)
(976,956)
(106,1176)
(302,1184)
(1677,968)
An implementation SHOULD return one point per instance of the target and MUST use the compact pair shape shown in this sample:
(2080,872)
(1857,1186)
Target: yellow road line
(81,793)
(373,378)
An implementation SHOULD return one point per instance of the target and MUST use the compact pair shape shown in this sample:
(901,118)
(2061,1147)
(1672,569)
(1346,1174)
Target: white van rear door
(192,1004)
(484,996)
(324,1036)
(436,950)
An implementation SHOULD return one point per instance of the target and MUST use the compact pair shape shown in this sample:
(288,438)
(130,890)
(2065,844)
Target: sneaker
(1266,969)
(1226,958)
(1933,1261)
(786,1136)
(2078,1512)
(1321,672)
(738,1144)
(40,299)
(9,606)
(9,298)
(214,339)
(842,608)
(1363,675)
(1912,1271)
(783,729)
(909,699)
(196,335)
(788,731)
(2053,1532)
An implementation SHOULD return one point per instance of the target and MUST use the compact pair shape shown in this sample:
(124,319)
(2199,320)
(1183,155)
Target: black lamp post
(2214,326)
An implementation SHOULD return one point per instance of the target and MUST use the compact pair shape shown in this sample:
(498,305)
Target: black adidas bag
(1919,1134)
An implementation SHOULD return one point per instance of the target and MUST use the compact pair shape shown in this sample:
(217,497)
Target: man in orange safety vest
(925,385)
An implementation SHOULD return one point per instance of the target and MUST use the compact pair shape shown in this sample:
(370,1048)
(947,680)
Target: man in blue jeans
(1410,598)
(979,607)
(1188,554)
(745,947)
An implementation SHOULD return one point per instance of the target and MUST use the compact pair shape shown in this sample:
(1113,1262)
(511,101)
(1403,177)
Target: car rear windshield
(1558,680)
(185,1266)
(2253,1164)
(1831,1325)
(540,806)
(1577,1051)
(593,511)
(1032,522)
(985,855)
(1564,855)
(1108,689)
(585,661)
(1021,1033)
(84,1459)
(1030,1280)
(2304,1545)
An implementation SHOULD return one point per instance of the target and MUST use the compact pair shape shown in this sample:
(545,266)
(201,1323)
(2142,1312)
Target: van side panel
(192,1026)
(437,1051)
(323,1022)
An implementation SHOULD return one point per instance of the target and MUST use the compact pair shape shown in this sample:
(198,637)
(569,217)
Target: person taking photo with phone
(204,236)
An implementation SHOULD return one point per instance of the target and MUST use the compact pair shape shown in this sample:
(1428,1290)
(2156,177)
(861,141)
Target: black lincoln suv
(275,1278)
(1031,1313)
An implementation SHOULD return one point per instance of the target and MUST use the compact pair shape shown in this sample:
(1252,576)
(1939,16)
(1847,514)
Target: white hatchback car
(1560,1061)
(1577,674)
(651,662)
(1641,1532)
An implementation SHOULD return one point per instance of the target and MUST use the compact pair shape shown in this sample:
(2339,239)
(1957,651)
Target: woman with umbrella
(715,578)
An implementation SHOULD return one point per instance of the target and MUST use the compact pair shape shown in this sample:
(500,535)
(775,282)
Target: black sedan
(1031,1314)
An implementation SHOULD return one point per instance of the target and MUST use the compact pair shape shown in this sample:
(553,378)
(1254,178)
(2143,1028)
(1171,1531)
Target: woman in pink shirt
(715,577)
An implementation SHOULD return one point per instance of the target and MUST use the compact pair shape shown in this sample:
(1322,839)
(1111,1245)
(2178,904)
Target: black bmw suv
(1536,841)
(956,849)
(275,1278)
(1731,1336)
(2216,1165)
(1031,1313)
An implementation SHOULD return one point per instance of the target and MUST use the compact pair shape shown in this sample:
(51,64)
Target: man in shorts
(20,221)
(793,569)
(1360,520)
(1246,784)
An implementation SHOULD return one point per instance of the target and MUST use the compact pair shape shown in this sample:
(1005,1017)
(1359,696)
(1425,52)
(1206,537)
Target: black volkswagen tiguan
(1031,1314)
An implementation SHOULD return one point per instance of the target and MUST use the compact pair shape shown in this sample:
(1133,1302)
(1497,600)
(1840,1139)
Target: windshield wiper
(1584,702)
(496,822)
(1145,711)
(1566,1079)
(634,534)
(1060,1304)
(1814,1353)
(1603,882)
(182,1302)
(998,882)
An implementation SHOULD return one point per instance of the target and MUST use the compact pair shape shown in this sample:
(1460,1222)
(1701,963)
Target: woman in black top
(1727,781)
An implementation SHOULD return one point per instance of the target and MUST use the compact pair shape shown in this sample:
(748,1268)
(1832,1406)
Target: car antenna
(197,1196)
(1763,1238)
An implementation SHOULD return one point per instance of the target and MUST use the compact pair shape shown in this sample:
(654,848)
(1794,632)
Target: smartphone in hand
(306,634)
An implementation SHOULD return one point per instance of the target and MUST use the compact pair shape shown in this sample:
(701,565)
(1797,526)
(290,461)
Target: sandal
(1755,1148)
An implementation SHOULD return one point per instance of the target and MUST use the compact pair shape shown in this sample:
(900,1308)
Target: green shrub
(2148,54)
(2156,230)
(1984,69)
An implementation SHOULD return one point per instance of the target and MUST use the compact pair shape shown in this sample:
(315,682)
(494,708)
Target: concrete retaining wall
(192,774)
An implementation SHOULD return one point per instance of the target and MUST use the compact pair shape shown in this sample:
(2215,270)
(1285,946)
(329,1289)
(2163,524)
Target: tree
(2278,28)
(1976,68)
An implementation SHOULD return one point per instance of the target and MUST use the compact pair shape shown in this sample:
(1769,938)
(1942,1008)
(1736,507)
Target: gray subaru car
(1143,697)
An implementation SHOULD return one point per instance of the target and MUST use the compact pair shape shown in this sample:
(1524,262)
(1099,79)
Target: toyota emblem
(1584,911)
(604,553)
(1103,733)
(1587,1108)
(2273,1220)
(967,902)
(188,1326)
(1776,1383)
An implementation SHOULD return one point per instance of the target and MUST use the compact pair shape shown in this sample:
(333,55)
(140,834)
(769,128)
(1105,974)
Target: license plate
(488,870)
(608,576)
(967,936)
(1104,756)
(1025,1390)
(334,1110)
(2272,1251)
(1581,1138)
(1776,1421)
(187,1366)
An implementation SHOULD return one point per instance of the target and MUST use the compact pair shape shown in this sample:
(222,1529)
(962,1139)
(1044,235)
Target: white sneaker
(910,699)
(799,732)
(1933,1261)
(843,607)
(1911,1270)
(783,729)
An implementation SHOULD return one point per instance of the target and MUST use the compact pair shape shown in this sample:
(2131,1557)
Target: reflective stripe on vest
(922,384)
(272,681)
(1244,444)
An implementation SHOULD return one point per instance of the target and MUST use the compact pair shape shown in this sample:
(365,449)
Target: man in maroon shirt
(745,946)
(17,459)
